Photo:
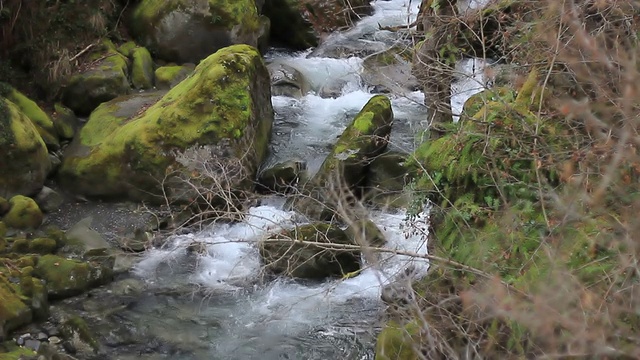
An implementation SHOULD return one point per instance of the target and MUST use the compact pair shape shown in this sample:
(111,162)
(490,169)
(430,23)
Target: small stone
(32,344)
(42,336)
(54,340)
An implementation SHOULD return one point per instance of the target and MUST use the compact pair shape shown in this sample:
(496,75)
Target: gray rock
(81,234)
(282,177)
(48,200)
(287,81)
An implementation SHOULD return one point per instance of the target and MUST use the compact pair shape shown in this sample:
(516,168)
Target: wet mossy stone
(42,246)
(76,327)
(171,75)
(23,214)
(105,78)
(38,117)
(281,177)
(292,252)
(141,68)
(189,31)
(14,313)
(223,109)
(65,122)
(23,154)
(345,168)
(67,277)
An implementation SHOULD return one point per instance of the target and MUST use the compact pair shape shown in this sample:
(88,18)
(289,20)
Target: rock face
(346,166)
(282,255)
(189,31)
(299,24)
(223,109)
(104,79)
(23,153)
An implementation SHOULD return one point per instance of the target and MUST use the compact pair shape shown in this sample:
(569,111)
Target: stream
(216,303)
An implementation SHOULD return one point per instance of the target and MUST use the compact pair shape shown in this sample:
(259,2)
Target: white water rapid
(246,317)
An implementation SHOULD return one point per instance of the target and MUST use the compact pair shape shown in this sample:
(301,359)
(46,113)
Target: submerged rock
(293,253)
(221,113)
(189,31)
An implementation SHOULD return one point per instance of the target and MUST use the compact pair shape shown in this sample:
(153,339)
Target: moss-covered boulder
(141,68)
(23,214)
(345,168)
(170,76)
(223,111)
(23,154)
(65,122)
(103,78)
(67,277)
(13,311)
(38,117)
(293,252)
(189,31)
(281,177)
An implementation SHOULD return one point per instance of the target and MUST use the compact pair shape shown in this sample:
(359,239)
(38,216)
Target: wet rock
(104,79)
(287,81)
(345,169)
(49,200)
(82,238)
(65,121)
(281,177)
(292,253)
(332,90)
(386,180)
(66,277)
(189,31)
(390,71)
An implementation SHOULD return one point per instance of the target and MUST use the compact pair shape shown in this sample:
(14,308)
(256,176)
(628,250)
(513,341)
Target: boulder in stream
(299,252)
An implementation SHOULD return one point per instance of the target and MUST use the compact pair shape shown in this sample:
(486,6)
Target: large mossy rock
(104,78)
(23,154)
(38,117)
(292,252)
(345,168)
(13,310)
(189,31)
(223,108)
(67,277)
(141,68)
(300,24)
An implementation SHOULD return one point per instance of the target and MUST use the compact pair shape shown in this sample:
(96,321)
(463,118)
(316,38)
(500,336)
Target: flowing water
(217,304)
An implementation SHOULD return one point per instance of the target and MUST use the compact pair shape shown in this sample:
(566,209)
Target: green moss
(10,351)
(24,213)
(126,48)
(42,246)
(13,311)
(211,105)
(20,246)
(141,69)
(65,121)
(66,277)
(398,342)
(38,117)
(76,326)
